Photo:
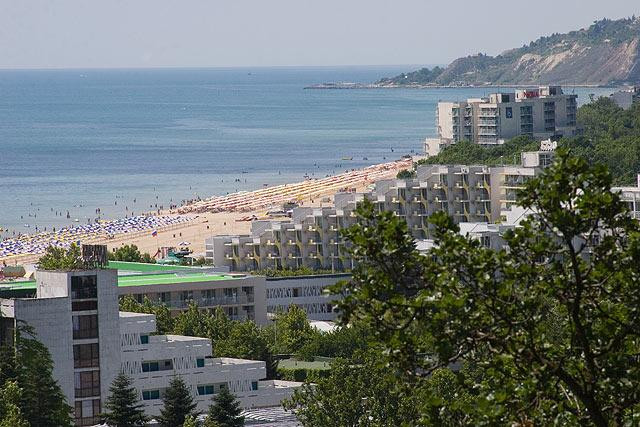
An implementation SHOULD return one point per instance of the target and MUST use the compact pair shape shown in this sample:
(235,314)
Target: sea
(127,141)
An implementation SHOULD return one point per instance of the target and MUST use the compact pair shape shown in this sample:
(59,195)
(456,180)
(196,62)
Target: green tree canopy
(358,392)
(178,404)
(551,324)
(225,411)
(10,413)
(56,258)
(123,408)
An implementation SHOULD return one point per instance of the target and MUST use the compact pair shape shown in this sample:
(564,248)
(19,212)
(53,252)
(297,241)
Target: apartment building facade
(540,113)
(152,361)
(75,314)
(313,238)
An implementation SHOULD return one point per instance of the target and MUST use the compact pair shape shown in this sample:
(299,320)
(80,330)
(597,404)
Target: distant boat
(365,158)
(347,158)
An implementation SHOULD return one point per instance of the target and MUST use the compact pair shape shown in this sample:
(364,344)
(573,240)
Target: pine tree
(122,408)
(178,404)
(225,411)
(190,421)
(42,401)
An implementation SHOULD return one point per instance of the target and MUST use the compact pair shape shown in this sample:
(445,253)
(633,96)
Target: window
(85,326)
(84,287)
(86,412)
(157,365)
(509,112)
(86,356)
(87,383)
(165,296)
(200,363)
(144,339)
(84,305)
(205,389)
(150,394)
(254,385)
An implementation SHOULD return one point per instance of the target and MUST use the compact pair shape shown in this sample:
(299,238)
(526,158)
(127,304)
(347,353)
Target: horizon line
(230,67)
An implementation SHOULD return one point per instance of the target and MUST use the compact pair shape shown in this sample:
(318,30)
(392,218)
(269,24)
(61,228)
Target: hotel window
(254,385)
(165,296)
(144,339)
(85,326)
(84,287)
(87,412)
(150,394)
(157,365)
(205,389)
(87,383)
(86,356)
(200,363)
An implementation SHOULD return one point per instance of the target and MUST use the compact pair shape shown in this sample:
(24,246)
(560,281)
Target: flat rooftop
(147,274)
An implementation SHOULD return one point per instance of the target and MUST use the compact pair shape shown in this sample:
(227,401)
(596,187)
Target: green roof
(194,276)
(147,268)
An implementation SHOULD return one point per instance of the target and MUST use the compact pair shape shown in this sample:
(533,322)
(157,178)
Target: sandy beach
(229,214)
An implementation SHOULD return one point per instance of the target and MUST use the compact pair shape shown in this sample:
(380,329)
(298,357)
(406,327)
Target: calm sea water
(76,140)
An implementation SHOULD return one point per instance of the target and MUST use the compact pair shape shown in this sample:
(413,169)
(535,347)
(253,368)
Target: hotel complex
(540,113)
(313,237)
(75,315)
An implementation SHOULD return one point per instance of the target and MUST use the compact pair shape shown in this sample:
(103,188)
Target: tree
(42,402)
(225,411)
(552,323)
(164,320)
(178,404)
(244,341)
(122,407)
(292,330)
(56,258)
(358,392)
(10,413)
(190,421)
(406,174)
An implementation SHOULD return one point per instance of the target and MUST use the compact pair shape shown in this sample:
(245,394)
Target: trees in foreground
(123,407)
(546,331)
(178,404)
(224,411)
(30,394)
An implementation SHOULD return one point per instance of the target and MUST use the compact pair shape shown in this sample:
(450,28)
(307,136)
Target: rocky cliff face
(608,52)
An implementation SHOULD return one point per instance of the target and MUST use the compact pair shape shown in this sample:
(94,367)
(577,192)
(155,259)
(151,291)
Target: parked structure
(539,113)
(75,314)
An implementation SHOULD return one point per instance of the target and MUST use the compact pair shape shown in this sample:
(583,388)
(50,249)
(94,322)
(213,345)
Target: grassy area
(299,364)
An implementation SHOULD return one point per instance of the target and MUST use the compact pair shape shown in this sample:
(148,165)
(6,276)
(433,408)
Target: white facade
(152,361)
(313,238)
(75,315)
(539,113)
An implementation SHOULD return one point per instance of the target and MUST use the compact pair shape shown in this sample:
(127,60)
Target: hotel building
(75,315)
(540,113)
(313,237)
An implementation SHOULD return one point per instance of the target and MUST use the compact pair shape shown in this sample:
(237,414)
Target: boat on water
(347,158)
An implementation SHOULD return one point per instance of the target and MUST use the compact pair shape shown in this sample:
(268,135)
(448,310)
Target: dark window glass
(86,356)
(84,287)
(254,385)
(85,326)
(144,339)
(84,305)
(87,384)
(200,363)
(150,394)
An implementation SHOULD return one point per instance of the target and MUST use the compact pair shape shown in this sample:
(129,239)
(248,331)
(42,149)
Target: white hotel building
(540,113)
(75,314)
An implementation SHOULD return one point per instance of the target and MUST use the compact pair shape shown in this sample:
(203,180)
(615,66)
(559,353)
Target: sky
(227,33)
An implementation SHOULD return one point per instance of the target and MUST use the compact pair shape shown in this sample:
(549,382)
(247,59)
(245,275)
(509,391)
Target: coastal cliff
(606,53)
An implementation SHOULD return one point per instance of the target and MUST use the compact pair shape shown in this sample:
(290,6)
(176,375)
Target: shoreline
(358,86)
(193,222)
